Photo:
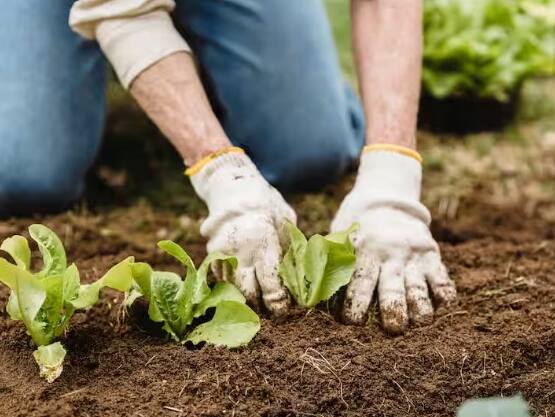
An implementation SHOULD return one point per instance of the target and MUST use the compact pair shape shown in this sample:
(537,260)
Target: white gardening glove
(246,219)
(395,249)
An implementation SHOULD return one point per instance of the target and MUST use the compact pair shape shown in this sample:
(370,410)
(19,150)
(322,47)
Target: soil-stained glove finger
(392,296)
(443,288)
(245,280)
(419,304)
(360,290)
(245,215)
(267,260)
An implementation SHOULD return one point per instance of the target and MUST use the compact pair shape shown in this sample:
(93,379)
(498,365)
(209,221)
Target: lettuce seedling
(176,302)
(313,270)
(46,300)
(494,407)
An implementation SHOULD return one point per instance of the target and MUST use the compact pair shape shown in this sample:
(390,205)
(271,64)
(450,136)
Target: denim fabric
(51,106)
(270,68)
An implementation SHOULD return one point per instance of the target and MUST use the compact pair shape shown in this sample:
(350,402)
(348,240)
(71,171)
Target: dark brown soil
(499,339)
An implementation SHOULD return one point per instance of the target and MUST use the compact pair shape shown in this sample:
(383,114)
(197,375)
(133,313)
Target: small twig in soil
(323,366)
(399,372)
(518,300)
(359,342)
(174,409)
(68,394)
(234,402)
(409,401)
(454,313)
(465,357)
(519,282)
(184,384)
(325,315)
(508,270)
(344,366)
(441,356)
(150,360)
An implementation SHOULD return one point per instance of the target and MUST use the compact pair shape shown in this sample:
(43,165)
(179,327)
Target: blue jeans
(270,68)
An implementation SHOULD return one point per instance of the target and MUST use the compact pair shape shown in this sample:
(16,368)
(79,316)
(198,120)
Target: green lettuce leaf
(316,269)
(119,277)
(72,282)
(141,273)
(13,307)
(234,324)
(51,313)
(222,291)
(164,306)
(45,301)
(18,248)
(175,302)
(292,268)
(199,291)
(51,249)
(26,299)
(178,253)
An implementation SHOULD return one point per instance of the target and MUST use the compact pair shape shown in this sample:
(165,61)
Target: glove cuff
(389,147)
(392,179)
(390,174)
(196,168)
(221,167)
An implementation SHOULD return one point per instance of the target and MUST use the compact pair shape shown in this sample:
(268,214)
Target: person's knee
(26,191)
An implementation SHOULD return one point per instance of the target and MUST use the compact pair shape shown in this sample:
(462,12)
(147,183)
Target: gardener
(250,94)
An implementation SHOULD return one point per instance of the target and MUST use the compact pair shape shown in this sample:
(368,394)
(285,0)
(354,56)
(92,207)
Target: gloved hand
(395,249)
(246,219)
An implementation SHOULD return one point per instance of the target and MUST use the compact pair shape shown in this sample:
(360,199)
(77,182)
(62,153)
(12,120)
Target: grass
(340,19)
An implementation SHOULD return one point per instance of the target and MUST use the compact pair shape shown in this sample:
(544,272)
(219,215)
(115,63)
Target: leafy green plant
(176,302)
(486,48)
(46,300)
(313,270)
(494,407)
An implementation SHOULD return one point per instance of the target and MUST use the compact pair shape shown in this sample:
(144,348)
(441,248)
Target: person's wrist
(403,139)
(209,147)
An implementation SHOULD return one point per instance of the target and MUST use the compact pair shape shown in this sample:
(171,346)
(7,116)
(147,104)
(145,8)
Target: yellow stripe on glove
(202,163)
(388,147)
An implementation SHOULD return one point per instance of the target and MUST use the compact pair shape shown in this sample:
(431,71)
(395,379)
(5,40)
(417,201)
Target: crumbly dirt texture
(499,338)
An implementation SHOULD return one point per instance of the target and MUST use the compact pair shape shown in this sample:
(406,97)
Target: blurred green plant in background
(340,20)
(486,48)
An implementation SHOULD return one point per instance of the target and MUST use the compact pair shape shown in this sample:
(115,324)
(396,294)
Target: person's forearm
(387,42)
(172,95)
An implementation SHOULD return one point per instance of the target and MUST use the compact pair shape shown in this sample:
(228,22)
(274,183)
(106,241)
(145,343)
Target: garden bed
(498,339)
